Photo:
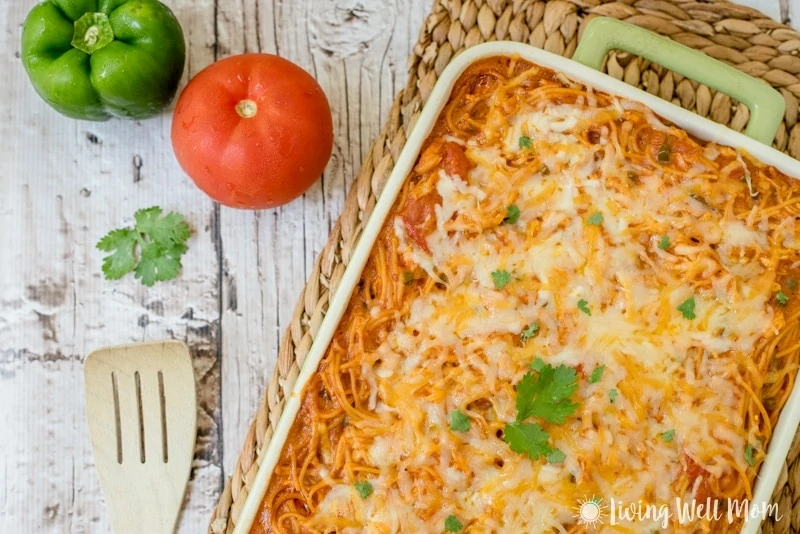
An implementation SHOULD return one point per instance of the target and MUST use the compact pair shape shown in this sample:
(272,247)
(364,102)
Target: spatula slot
(140,413)
(117,421)
(163,403)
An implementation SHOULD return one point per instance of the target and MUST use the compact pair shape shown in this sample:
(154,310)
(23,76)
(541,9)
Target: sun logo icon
(590,512)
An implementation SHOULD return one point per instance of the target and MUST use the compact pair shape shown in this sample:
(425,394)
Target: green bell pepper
(94,59)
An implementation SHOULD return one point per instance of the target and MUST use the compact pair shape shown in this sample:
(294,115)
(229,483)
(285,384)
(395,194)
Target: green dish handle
(766,105)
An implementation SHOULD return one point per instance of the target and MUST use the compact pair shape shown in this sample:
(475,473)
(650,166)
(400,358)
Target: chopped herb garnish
(512,214)
(687,308)
(597,374)
(528,438)
(791,283)
(547,395)
(408,277)
(782,298)
(556,457)
(501,278)
(525,142)
(584,307)
(668,435)
(595,219)
(612,395)
(459,422)
(749,455)
(665,243)
(664,151)
(160,242)
(529,333)
(537,364)
(364,489)
(452,524)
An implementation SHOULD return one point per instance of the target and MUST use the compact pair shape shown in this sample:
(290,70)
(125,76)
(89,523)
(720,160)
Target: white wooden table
(64,183)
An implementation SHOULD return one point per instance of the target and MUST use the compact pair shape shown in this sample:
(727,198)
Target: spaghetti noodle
(663,269)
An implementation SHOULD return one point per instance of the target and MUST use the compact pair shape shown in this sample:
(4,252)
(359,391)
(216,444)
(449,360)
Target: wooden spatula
(140,404)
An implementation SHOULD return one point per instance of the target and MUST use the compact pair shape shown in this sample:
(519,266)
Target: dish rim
(701,127)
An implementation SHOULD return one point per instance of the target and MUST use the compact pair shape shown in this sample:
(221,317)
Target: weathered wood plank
(64,184)
(357,51)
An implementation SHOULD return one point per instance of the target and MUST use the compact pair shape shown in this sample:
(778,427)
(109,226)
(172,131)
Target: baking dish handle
(766,105)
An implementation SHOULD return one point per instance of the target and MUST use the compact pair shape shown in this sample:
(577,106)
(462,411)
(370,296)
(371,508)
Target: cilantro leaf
(612,395)
(501,278)
(537,364)
(782,298)
(525,142)
(158,264)
(665,243)
(459,422)
(529,333)
(121,243)
(452,524)
(548,394)
(749,455)
(595,219)
(687,308)
(168,230)
(512,214)
(597,374)
(160,241)
(364,489)
(556,457)
(584,307)
(668,435)
(527,438)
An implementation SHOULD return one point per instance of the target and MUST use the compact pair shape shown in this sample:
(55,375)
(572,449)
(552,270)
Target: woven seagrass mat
(738,35)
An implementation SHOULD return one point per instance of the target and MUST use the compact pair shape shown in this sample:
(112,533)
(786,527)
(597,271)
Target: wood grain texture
(65,183)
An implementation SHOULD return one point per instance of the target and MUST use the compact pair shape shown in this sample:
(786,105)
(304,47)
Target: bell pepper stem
(92,32)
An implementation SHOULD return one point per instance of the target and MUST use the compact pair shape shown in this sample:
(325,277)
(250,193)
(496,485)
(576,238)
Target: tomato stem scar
(246,109)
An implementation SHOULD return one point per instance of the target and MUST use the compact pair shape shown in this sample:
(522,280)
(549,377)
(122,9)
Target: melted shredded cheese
(669,372)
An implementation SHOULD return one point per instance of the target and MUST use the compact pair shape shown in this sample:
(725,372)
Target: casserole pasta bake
(570,300)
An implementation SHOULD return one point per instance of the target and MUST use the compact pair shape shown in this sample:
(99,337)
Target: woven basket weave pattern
(740,36)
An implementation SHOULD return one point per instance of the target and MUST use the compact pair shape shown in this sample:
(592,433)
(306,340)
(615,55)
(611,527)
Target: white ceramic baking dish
(601,35)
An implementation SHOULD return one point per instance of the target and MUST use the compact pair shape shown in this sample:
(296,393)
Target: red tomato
(253,131)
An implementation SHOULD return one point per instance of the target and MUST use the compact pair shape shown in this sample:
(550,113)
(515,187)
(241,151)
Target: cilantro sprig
(597,374)
(546,395)
(512,214)
(687,308)
(501,278)
(152,249)
(749,455)
(782,298)
(364,488)
(595,219)
(459,422)
(529,333)
(452,524)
